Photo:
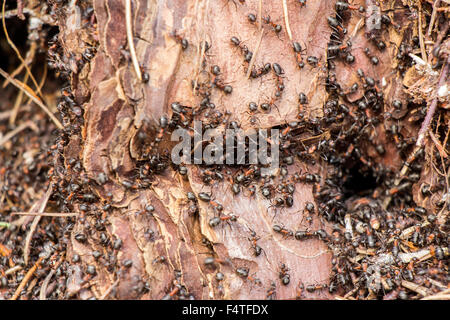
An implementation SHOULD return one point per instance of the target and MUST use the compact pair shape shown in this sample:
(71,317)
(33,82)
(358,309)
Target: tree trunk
(155,243)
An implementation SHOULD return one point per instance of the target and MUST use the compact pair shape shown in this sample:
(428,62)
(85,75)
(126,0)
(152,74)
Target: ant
(253,108)
(285,232)
(298,54)
(314,287)
(283,274)
(303,235)
(339,50)
(302,100)
(335,25)
(214,222)
(312,61)
(344,6)
(271,292)
(252,190)
(277,202)
(306,177)
(276,27)
(373,59)
(309,208)
(243,272)
(216,82)
(258,72)
(299,291)
(177,290)
(160,259)
(244,49)
(184,43)
(257,250)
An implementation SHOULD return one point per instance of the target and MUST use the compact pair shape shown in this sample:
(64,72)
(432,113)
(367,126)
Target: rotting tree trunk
(168,246)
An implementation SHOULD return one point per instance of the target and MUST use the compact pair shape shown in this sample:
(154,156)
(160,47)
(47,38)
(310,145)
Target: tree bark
(168,246)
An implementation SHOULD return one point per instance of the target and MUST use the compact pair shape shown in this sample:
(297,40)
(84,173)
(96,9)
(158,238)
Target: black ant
(258,72)
(276,27)
(309,209)
(283,275)
(214,222)
(336,25)
(314,287)
(373,59)
(298,54)
(271,292)
(257,250)
(344,6)
(285,232)
(184,43)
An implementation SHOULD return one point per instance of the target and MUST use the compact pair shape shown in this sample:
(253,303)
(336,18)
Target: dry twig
(443,295)
(17,103)
(26,279)
(415,287)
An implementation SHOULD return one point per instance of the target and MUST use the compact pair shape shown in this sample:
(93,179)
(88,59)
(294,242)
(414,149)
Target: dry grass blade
(422,44)
(13,46)
(259,14)
(129,25)
(17,103)
(108,291)
(42,293)
(41,204)
(201,46)
(433,16)
(286,20)
(33,97)
(28,60)
(252,61)
(47,214)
